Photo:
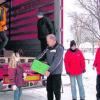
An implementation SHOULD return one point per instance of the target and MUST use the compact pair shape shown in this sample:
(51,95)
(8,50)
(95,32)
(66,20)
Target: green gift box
(39,67)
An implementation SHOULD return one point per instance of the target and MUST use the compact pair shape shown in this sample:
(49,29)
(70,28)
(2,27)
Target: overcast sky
(69,7)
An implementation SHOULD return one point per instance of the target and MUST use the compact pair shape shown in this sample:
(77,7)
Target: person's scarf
(73,50)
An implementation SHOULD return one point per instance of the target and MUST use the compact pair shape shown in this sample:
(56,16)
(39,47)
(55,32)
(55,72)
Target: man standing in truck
(3,27)
(45,27)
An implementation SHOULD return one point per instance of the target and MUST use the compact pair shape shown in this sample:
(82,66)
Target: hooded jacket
(16,75)
(74,62)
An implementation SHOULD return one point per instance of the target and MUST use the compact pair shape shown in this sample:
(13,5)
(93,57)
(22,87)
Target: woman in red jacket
(75,66)
(97,66)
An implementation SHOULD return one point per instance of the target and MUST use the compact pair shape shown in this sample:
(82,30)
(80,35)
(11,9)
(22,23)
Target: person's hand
(14,87)
(68,73)
(5,28)
(24,75)
(47,73)
(45,62)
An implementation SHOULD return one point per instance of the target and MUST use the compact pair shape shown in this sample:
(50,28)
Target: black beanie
(72,43)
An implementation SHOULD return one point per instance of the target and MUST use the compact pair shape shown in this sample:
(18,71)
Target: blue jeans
(79,80)
(17,93)
(4,39)
(1,86)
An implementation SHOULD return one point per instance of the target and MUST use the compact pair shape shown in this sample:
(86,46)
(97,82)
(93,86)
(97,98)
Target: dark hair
(72,43)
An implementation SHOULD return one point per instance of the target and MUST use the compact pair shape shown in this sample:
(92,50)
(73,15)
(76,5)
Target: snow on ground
(40,93)
(89,79)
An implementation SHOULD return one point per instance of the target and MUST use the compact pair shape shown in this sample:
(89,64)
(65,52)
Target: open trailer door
(22,23)
(22,30)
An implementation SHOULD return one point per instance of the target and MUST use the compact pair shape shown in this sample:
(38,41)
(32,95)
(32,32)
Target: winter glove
(84,71)
(68,73)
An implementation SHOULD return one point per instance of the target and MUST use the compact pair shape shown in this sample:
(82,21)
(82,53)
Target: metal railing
(23,59)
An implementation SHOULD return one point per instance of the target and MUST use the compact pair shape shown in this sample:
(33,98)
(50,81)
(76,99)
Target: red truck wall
(23,33)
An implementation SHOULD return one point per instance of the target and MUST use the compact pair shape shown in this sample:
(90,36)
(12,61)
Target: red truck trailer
(22,31)
(33,79)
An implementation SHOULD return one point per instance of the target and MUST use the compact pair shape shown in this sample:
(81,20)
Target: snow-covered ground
(40,94)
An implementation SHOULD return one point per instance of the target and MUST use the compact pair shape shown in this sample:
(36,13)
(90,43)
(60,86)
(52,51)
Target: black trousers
(98,87)
(43,47)
(4,40)
(43,44)
(54,87)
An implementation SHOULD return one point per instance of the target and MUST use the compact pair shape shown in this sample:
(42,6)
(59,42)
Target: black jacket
(45,27)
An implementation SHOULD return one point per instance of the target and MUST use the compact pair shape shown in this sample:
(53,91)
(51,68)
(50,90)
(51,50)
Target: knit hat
(72,43)
(40,14)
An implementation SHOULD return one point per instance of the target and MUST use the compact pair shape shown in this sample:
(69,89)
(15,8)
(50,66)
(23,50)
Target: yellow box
(33,78)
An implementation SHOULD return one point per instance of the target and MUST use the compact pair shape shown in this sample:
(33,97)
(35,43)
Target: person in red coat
(75,66)
(97,66)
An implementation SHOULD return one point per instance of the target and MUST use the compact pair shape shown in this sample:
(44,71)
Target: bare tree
(75,28)
(82,27)
(93,9)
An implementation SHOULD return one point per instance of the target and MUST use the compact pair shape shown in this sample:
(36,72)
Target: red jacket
(11,72)
(97,61)
(74,62)
(16,76)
